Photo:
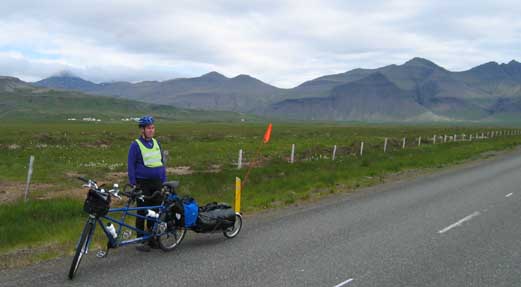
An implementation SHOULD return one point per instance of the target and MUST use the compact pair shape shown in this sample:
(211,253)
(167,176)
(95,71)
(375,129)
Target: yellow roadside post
(237,194)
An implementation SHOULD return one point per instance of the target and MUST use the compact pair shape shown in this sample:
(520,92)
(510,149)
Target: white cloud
(280,42)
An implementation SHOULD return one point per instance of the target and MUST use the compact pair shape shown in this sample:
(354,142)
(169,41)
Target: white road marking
(508,195)
(344,283)
(459,222)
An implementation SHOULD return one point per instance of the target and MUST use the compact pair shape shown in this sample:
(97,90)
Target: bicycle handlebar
(132,194)
(91,184)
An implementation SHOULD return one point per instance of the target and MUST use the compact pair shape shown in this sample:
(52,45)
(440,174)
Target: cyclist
(146,171)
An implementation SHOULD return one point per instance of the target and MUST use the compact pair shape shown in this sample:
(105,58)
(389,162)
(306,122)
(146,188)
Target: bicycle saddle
(171,184)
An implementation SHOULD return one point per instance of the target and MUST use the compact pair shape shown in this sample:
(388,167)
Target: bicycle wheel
(172,237)
(232,231)
(81,249)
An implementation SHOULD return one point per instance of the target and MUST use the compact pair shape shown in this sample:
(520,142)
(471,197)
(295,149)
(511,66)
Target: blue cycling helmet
(145,121)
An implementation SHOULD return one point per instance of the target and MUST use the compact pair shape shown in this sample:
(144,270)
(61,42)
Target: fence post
(292,159)
(445,139)
(29,174)
(454,138)
(419,141)
(165,157)
(239,162)
(385,145)
(434,139)
(470,138)
(361,148)
(334,153)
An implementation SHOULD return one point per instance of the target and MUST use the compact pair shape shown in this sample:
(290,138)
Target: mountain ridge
(422,85)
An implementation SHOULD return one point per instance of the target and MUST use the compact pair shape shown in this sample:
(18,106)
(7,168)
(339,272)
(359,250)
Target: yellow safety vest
(151,156)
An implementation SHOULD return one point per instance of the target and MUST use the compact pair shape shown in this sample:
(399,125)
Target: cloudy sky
(280,42)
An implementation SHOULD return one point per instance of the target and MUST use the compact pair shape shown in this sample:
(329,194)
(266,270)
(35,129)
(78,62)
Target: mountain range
(417,90)
(21,100)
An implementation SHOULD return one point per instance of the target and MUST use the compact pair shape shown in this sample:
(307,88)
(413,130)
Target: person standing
(146,171)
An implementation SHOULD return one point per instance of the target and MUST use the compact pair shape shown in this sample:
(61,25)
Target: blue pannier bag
(191,211)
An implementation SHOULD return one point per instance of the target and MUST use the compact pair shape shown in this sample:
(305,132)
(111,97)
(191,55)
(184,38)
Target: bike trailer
(216,217)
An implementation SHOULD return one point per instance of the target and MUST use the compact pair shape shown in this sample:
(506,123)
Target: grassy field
(203,157)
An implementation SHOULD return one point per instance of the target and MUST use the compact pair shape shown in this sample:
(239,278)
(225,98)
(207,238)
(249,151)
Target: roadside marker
(237,194)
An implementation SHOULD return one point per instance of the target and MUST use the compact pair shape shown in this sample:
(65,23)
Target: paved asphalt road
(458,227)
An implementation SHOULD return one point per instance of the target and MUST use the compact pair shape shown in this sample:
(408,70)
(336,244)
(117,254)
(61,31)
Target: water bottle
(112,230)
(152,214)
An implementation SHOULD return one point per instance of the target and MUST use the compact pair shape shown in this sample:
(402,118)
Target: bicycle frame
(128,211)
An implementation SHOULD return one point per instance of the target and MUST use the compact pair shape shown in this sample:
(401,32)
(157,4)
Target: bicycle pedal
(101,254)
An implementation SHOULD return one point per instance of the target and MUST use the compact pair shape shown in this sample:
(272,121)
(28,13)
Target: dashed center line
(459,222)
(344,283)
(508,195)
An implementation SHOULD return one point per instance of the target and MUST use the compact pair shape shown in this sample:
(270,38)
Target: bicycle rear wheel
(169,240)
(81,249)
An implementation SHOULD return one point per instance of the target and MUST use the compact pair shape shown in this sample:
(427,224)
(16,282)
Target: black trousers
(148,186)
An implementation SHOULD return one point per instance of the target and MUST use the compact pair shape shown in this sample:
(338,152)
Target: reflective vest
(151,156)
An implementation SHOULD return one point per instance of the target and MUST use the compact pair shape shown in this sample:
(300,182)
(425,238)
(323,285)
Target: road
(457,227)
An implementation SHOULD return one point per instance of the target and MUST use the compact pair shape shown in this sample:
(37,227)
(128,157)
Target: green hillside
(44,104)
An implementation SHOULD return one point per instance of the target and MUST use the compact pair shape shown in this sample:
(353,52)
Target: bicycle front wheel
(81,249)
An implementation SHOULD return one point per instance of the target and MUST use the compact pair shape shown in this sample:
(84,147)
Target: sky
(283,43)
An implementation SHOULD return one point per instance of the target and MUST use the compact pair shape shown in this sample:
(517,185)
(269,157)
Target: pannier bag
(191,210)
(175,215)
(97,204)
